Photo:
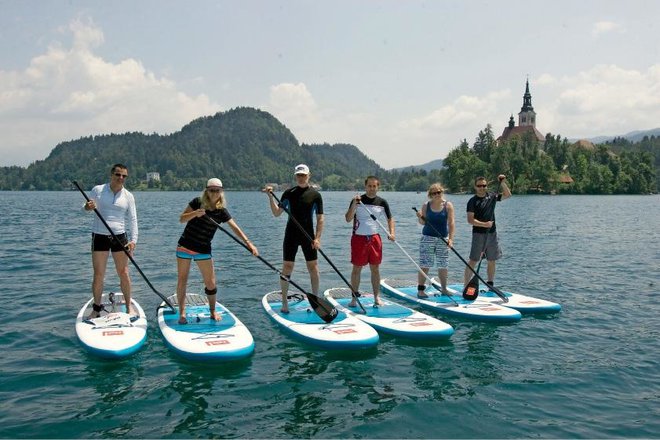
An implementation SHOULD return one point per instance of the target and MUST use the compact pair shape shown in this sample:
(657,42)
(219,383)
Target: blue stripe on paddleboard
(205,325)
(389,310)
(302,313)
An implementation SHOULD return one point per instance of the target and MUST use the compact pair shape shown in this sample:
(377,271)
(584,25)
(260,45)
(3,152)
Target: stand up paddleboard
(456,305)
(390,317)
(344,332)
(202,338)
(115,334)
(522,303)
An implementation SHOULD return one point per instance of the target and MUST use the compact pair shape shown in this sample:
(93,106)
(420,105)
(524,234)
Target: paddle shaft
(128,254)
(320,301)
(497,291)
(306,234)
(421,271)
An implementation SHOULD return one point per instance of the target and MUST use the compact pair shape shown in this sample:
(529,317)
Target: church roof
(519,131)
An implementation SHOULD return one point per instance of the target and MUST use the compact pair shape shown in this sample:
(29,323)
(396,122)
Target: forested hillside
(245,147)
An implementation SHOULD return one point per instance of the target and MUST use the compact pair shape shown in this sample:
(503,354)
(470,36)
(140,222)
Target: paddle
(321,306)
(471,289)
(435,284)
(302,229)
(497,291)
(128,254)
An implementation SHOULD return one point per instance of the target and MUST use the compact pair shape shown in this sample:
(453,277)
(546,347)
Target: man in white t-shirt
(366,244)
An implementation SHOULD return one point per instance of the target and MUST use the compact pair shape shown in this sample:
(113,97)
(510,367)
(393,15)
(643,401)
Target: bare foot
(378,302)
(352,303)
(215,316)
(284,309)
(421,294)
(183,320)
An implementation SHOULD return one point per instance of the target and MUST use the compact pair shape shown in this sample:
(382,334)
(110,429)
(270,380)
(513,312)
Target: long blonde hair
(208,205)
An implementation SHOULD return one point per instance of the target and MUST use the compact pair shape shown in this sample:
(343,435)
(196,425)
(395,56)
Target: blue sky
(405,80)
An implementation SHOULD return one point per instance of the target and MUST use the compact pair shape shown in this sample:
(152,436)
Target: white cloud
(604,100)
(604,27)
(462,114)
(69,92)
(295,107)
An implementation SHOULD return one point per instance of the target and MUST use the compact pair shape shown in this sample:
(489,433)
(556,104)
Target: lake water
(592,370)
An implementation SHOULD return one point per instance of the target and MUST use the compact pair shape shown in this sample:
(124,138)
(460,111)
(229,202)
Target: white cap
(301,169)
(214,183)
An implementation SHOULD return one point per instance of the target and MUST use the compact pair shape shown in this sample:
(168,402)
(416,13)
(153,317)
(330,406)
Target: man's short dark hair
(371,178)
(118,165)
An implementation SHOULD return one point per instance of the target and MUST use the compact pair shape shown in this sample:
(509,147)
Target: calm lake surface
(592,370)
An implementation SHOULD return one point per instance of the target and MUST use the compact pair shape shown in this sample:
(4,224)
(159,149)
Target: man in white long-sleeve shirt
(116,205)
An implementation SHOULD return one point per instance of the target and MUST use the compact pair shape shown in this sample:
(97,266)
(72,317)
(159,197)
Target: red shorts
(366,249)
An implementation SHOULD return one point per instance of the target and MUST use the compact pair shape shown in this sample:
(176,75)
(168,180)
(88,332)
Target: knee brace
(210,292)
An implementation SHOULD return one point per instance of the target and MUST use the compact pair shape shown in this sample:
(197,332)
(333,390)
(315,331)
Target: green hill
(245,147)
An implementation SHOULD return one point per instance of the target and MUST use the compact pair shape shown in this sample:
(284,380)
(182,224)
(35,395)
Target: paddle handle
(126,251)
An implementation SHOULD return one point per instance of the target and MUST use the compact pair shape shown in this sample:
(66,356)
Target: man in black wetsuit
(304,203)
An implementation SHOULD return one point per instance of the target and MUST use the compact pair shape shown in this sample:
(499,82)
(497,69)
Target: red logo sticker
(344,331)
(217,342)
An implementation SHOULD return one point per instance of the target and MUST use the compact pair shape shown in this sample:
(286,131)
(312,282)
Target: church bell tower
(527,115)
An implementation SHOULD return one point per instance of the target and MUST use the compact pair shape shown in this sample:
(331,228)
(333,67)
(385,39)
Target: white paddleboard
(390,317)
(478,310)
(115,334)
(522,303)
(344,332)
(202,338)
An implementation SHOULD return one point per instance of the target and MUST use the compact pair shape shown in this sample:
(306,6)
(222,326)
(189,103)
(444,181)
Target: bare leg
(208,275)
(442,275)
(314,276)
(287,270)
(356,273)
(421,280)
(99,262)
(491,270)
(375,283)
(121,264)
(183,269)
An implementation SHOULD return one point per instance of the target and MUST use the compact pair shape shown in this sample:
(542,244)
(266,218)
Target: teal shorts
(187,254)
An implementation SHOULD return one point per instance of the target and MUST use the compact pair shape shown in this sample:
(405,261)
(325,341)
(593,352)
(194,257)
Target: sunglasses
(123,176)
(481,186)
(435,193)
(214,190)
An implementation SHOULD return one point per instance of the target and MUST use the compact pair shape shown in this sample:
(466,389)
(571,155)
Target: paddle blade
(323,308)
(498,292)
(471,289)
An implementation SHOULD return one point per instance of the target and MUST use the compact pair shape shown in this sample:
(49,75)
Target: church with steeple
(526,121)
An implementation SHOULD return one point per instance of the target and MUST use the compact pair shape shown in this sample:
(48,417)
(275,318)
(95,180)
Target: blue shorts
(187,254)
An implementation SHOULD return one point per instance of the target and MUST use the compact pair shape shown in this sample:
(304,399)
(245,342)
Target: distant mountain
(433,165)
(244,147)
(633,136)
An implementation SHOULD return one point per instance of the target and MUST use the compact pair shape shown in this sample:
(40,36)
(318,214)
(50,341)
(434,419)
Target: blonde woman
(195,243)
(437,216)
